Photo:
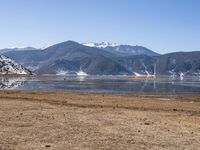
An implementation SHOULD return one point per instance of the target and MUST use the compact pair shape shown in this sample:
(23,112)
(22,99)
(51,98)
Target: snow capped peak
(101,45)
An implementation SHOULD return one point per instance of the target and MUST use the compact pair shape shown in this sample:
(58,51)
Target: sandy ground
(44,120)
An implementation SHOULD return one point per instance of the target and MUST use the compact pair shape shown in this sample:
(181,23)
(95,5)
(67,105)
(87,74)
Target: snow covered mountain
(122,50)
(9,66)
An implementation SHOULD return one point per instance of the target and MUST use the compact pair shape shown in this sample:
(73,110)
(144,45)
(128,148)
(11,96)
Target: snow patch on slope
(138,75)
(78,73)
(81,73)
(9,66)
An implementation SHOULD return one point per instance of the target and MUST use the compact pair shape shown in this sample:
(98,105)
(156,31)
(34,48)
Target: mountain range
(105,59)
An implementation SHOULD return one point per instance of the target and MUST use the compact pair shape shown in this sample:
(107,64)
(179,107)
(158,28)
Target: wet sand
(58,120)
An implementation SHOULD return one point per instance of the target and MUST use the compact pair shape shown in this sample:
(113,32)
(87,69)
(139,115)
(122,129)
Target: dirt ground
(56,121)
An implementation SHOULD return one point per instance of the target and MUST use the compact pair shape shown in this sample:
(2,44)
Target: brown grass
(44,120)
(143,78)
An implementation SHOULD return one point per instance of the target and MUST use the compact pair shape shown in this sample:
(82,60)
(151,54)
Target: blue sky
(161,25)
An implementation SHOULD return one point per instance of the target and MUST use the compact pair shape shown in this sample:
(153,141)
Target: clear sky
(161,25)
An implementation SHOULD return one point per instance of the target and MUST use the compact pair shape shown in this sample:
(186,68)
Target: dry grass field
(56,121)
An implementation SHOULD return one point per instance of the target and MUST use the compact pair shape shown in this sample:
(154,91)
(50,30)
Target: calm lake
(103,84)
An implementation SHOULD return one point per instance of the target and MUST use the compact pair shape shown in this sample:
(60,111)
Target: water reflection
(103,84)
(11,83)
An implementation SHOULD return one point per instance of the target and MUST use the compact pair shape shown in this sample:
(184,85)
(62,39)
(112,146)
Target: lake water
(103,84)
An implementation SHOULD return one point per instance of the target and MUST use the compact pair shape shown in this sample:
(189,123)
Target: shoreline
(133,78)
(98,121)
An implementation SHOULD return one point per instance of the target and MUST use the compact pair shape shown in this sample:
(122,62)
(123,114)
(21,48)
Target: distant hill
(72,57)
(138,64)
(179,62)
(5,50)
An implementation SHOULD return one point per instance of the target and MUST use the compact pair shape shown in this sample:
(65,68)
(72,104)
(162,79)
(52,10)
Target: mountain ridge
(28,48)
(71,56)
(123,49)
